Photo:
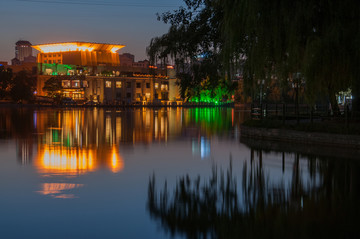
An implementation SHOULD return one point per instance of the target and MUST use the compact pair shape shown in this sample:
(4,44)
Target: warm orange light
(65,161)
(117,163)
(77,46)
(115,49)
(62,47)
(58,190)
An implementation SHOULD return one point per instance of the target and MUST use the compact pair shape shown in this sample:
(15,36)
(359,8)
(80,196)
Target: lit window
(164,87)
(156,85)
(118,84)
(108,84)
(75,83)
(65,83)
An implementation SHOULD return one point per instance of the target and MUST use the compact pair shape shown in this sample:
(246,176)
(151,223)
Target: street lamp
(261,83)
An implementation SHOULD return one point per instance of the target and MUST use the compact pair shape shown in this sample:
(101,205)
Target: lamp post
(296,83)
(261,83)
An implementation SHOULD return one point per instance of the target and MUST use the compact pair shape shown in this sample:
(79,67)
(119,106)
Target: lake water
(166,173)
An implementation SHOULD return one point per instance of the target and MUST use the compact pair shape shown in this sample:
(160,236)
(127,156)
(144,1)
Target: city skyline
(117,22)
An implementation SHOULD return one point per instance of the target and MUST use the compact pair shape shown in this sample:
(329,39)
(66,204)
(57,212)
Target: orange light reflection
(58,190)
(117,163)
(65,161)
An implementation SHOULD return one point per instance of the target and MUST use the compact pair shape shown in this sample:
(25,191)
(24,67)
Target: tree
(319,39)
(192,43)
(53,87)
(254,206)
(5,80)
(22,87)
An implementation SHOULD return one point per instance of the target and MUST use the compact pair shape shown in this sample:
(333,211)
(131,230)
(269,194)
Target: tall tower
(23,49)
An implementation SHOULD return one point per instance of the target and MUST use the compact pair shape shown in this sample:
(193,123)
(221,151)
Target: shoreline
(300,137)
(16,105)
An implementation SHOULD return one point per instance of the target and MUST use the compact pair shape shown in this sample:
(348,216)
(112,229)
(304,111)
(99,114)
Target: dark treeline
(273,44)
(17,87)
(323,205)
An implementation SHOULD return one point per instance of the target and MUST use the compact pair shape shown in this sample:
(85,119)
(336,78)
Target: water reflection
(103,158)
(67,143)
(62,160)
(59,190)
(324,205)
(77,141)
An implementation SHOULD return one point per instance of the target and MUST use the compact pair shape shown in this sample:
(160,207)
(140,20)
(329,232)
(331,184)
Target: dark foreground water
(166,173)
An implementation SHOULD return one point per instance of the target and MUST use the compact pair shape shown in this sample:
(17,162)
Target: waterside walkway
(300,137)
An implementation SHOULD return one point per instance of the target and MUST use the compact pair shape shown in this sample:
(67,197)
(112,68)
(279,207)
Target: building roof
(77,46)
(22,43)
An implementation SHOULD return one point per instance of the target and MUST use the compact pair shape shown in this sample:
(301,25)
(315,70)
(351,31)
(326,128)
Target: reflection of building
(201,146)
(75,146)
(59,190)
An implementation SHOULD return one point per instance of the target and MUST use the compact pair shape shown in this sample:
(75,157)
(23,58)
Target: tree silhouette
(22,87)
(53,87)
(326,207)
(5,80)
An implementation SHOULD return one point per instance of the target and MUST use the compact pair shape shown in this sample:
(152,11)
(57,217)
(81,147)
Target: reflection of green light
(55,136)
(68,140)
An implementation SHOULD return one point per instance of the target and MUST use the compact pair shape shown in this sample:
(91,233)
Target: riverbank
(184,105)
(343,141)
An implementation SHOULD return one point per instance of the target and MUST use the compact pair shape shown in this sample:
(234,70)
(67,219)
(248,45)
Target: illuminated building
(95,71)
(79,53)
(137,88)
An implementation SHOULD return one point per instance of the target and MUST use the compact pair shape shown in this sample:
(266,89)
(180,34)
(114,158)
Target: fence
(293,112)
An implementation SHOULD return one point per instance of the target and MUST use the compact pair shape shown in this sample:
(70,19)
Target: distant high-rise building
(23,49)
(126,59)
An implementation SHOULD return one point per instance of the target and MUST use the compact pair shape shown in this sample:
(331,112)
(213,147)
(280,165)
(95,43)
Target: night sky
(129,22)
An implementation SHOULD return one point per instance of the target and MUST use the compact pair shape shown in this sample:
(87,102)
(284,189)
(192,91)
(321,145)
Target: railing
(297,113)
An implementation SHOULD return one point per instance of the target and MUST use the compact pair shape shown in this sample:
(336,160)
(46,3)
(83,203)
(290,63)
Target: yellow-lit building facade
(79,53)
(92,71)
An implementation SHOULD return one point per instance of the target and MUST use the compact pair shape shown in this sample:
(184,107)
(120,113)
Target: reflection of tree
(18,123)
(324,208)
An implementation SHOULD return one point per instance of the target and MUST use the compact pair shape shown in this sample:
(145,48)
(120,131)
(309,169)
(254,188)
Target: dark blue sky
(129,22)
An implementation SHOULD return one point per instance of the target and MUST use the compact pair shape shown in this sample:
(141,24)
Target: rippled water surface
(165,173)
